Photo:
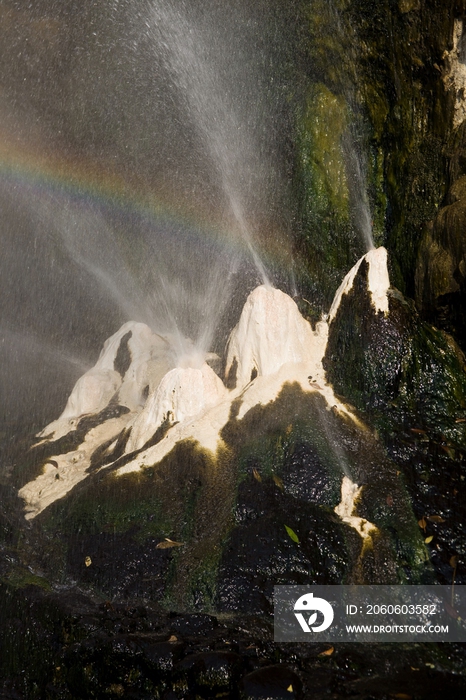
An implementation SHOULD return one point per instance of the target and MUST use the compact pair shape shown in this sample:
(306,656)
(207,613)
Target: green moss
(19,577)
(323,126)
(329,243)
(113,504)
(397,364)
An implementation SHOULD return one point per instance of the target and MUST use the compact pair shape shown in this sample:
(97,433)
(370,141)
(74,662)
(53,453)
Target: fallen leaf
(398,472)
(460,420)
(327,652)
(403,696)
(292,534)
(173,638)
(278,481)
(418,431)
(414,668)
(290,689)
(430,665)
(256,475)
(436,519)
(168,543)
(288,429)
(429,539)
(448,450)
(454,561)
(88,561)
(422,523)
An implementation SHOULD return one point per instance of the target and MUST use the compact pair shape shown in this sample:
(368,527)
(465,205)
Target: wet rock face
(182,394)
(409,378)
(441,267)
(79,649)
(388,69)
(271,332)
(260,553)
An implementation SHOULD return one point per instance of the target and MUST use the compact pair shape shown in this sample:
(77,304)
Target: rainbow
(31,165)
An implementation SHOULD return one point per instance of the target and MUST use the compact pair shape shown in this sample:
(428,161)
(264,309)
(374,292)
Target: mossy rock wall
(409,379)
(386,67)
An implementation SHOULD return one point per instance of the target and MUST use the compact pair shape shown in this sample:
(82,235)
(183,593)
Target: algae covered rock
(394,360)
(441,266)
(409,378)
(205,498)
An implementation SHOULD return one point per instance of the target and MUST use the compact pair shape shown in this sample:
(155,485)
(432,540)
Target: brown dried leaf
(173,638)
(168,543)
(278,481)
(88,561)
(418,431)
(256,475)
(422,523)
(429,539)
(402,696)
(454,561)
(436,519)
(389,500)
(460,420)
(327,652)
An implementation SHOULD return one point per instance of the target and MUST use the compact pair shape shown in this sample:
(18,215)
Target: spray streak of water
(186,50)
(21,345)
(359,199)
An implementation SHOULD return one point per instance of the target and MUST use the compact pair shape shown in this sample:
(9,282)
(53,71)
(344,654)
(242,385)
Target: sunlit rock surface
(183,393)
(378,282)
(132,363)
(63,472)
(347,509)
(271,346)
(91,393)
(271,332)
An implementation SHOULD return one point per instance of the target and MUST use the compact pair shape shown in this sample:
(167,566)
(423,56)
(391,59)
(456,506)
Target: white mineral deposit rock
(146,358)
(271,332)
(91,394)
(378,282)
(183,393)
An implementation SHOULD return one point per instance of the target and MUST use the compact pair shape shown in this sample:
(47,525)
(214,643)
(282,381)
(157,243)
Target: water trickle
(357,182)
(199,68)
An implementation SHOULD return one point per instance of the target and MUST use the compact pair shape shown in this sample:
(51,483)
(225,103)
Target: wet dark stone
(123,356)
(271,683)
(195,625)
(216,671)
(306,477)
(425,683)
(120,566)
(409,380)
(159,657)
(260,553)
